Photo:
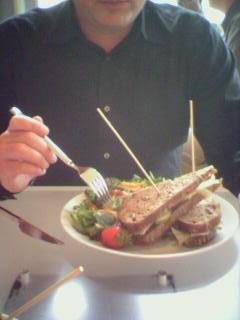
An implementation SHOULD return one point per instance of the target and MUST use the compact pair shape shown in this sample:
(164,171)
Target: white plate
(161,248)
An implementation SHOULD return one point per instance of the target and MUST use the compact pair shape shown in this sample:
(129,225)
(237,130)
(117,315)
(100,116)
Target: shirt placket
(106,103)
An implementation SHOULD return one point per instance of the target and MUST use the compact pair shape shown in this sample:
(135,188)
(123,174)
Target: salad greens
(90,217)
(136,178)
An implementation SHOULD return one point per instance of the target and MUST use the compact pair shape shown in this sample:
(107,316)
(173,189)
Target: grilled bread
(199,225)
(140,210)
(178,213)
(205,216)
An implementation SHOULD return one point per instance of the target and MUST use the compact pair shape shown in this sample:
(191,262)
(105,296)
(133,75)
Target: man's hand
(24,154)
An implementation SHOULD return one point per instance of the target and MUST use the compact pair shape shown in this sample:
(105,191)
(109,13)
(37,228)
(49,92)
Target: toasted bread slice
(156,231)
(199,226)
(142,208)
(192,240)
(205,216)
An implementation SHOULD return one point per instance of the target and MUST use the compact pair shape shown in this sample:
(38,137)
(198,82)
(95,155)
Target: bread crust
(205,216)
(199,239)
(143,207)
(157,231)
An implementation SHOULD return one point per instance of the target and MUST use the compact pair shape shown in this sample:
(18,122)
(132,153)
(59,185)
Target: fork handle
(52,145)
(58,151)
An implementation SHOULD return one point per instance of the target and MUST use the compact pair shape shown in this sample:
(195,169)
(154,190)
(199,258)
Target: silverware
(89,175)
(29,229)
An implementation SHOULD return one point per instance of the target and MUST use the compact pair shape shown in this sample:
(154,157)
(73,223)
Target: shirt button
(106,155)
(107,109)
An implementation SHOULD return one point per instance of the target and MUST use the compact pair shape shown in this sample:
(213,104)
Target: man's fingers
(24,123)
(22,143)
(23,153)
(17,167)
(38,118)
(19,174)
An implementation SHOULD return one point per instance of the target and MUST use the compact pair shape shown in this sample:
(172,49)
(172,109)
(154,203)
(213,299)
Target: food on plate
(131,185)
(141,215)
(148,215)
(89,219)
(115,237)
(199,225)
(91,216)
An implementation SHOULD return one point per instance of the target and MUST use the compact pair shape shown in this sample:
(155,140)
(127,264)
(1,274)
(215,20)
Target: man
(231,24)
(138,61)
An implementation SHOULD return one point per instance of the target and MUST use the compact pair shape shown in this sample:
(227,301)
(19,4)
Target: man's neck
(104,36)
(105,39)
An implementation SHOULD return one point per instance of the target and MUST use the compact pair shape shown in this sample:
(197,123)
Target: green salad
(91,216)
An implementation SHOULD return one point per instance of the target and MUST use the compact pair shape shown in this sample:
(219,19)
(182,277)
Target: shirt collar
(155,22)
(63,26)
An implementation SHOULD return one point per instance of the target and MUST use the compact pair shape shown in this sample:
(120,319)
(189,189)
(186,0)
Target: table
(89,297)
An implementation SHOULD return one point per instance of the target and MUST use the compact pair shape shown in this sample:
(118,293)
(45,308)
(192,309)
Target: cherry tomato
(114,237)
(116,191)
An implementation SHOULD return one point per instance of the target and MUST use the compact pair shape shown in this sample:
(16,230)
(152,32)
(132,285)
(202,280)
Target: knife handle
(11,215)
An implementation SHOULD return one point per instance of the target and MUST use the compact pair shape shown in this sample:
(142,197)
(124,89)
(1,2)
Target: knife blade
(29,229)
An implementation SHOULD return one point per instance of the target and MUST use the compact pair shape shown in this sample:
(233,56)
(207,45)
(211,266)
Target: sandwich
(149,215)
(198,226)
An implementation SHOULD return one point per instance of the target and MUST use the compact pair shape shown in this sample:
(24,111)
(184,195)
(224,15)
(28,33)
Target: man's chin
(116,22)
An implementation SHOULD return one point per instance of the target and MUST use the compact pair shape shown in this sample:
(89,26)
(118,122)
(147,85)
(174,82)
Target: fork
(88,174)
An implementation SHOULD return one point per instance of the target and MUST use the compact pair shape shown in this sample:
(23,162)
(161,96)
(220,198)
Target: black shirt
(171,55)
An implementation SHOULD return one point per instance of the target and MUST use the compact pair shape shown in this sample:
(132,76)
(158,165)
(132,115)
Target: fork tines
(97,183)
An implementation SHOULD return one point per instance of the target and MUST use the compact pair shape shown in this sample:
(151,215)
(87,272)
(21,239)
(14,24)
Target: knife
(29,229)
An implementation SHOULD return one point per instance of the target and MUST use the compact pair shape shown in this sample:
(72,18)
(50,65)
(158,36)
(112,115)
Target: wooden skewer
(192,135)
(127,148)
(42,294)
